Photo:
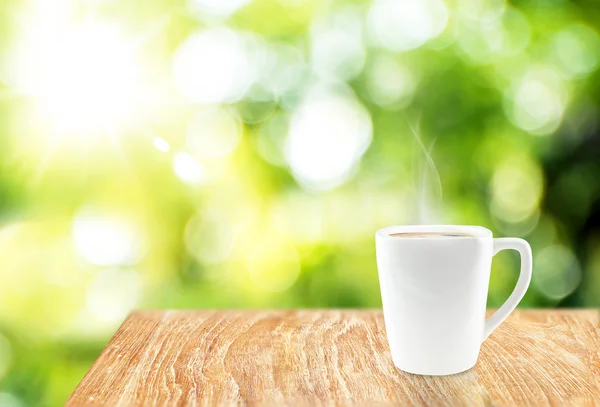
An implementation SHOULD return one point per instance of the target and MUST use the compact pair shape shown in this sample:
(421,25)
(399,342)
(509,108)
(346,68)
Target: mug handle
(513,300)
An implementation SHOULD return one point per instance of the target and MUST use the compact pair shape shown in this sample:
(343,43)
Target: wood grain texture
(312,357)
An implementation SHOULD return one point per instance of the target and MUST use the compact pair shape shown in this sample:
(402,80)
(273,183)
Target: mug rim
(472,230)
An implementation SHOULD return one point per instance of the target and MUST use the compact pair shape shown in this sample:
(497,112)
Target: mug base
(434,372)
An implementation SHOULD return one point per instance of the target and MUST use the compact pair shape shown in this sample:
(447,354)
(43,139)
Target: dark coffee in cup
(429,234)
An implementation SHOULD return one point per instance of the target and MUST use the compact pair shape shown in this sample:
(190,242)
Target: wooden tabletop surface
(329,357)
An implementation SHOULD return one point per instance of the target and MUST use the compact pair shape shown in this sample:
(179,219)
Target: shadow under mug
(434,292)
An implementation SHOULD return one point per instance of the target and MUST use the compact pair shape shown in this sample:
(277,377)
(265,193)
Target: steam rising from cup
(428,185)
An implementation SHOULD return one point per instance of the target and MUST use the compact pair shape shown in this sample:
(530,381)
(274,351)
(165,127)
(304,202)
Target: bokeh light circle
(214,10)
(213,66)
(578,49)
(284,70)
(337,48)
(84,77)
(537,100)
(556,272)
(485,41)
(161,144)
(403,25)
(481,10)
(389,82)
(210,237)
(188,169)
(328,135)
(106,239)
(522,227)
(10,400)
(517,187)
(112,294)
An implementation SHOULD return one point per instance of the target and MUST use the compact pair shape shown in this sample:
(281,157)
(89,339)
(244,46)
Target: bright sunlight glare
(88,81)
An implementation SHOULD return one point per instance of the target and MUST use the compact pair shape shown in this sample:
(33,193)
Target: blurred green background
(238,153)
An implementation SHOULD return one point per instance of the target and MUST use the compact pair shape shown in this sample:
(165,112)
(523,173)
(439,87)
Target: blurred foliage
(234,154)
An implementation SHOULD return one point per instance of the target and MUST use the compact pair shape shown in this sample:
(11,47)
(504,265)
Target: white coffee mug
(434,289)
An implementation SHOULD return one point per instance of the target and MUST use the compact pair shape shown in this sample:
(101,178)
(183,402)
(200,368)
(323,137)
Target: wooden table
(329,357)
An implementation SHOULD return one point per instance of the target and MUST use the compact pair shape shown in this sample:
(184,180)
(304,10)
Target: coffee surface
(430,234)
